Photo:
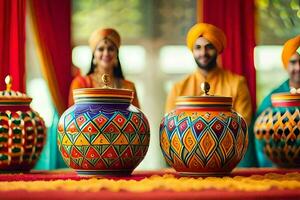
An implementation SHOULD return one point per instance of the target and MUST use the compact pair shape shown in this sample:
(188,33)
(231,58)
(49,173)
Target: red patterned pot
(102,133)
(22,131)
(277,130)
(203,136)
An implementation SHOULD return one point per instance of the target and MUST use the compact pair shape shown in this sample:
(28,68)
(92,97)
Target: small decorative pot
(102,133)
(22,131)
(203,135)
(278,130)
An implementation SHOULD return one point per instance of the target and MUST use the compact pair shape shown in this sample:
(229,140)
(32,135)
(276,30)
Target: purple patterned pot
(103,133)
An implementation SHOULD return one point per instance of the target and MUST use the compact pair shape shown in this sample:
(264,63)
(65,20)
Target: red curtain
(12,43)
(236,18)
(52,27)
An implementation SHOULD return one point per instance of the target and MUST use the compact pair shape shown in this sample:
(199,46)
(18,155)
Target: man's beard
(295,78)
(210,65)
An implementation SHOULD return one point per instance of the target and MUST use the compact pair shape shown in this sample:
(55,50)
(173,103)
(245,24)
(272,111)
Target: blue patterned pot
(103,133)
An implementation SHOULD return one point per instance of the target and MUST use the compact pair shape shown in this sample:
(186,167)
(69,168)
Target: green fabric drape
(50,157)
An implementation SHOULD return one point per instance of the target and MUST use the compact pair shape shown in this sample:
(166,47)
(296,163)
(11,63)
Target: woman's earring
(94,61)
(116,62)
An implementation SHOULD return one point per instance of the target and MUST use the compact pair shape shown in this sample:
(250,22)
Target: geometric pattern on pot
(278,129)
(206,142)
(22,137)
(99,137)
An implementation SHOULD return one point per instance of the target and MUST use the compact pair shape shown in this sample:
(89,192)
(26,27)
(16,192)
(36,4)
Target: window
(153,34)
(283,19)
(269,70)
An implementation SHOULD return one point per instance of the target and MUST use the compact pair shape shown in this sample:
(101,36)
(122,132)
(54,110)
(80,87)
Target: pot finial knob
(8,81)
(205,88)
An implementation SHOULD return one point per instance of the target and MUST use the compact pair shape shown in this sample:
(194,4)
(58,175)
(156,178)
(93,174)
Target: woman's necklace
(98,82)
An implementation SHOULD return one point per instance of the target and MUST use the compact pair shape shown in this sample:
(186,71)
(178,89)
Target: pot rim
(205,101)
(285,99)
(103,94)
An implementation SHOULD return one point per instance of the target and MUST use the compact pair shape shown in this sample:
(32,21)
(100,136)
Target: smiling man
(206,42)
(291,61)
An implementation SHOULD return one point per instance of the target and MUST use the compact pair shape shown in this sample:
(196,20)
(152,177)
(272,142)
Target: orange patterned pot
(22,131)
(277,130)
(102,133)
(203,136)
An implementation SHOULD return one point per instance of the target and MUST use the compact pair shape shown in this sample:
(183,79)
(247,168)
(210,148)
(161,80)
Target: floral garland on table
(166,182)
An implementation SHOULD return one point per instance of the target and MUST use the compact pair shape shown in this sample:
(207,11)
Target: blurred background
(153,53)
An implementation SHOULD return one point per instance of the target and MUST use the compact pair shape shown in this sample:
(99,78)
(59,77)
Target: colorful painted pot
(22,131)
(278,130)
(203,135)
(102,133)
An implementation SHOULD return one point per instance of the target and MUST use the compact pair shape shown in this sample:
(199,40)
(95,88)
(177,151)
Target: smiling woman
(104,44)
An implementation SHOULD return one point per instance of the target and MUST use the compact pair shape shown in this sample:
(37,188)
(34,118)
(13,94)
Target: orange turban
(101,34)
(289,48)
(210,32)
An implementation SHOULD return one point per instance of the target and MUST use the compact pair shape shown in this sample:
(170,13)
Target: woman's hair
(117,71)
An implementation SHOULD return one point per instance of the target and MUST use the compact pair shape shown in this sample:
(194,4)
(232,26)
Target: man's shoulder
(232,76)
(283,87)
(184,80)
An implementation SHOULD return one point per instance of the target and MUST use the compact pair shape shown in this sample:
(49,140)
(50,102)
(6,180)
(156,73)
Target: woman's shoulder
(81,81)
(127,84)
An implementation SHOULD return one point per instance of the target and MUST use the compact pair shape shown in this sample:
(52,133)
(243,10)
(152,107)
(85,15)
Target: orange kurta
(222,83)
(86,82)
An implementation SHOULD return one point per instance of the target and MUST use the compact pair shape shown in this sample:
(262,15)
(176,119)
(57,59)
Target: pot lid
(285,99)
(206,100)
(105,93)
(10,96)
